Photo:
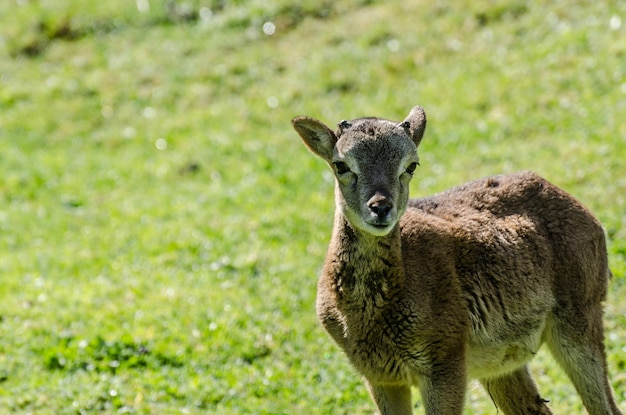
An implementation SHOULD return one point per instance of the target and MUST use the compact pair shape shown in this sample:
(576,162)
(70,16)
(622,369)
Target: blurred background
(162,226)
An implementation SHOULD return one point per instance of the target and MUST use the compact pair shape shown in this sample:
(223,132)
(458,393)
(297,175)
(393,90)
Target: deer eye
(411,168)
(341,167)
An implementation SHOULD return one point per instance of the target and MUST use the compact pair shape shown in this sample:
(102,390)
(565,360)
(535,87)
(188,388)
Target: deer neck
(364,267)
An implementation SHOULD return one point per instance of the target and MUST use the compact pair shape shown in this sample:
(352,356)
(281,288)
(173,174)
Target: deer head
(373,160)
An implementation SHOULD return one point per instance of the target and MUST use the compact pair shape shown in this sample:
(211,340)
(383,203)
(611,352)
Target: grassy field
(161,224)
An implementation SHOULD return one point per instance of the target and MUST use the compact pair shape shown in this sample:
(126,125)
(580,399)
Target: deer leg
(443,391)
(577,343)
(392,399)
(516,394)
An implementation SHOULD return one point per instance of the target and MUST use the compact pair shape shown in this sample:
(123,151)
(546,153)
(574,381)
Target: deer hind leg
(576,340)
(516,394)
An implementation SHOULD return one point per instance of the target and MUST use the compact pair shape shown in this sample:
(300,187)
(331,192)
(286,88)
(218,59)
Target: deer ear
(316,135)
(415,124)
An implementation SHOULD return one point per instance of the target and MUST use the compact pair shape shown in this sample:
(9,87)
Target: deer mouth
(380,226)
(380,221)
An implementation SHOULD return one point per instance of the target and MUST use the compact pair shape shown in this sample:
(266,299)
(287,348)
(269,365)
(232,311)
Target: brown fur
(464,284)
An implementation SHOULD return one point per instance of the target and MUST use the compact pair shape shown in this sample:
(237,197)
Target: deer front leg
(443,391)
(516,394)
(391,399)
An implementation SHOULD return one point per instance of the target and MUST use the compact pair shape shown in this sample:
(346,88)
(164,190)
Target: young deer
(464,284)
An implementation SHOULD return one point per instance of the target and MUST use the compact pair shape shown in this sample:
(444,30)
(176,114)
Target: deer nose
(380,206)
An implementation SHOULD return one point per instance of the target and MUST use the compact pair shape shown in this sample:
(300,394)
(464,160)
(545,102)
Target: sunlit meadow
(161,225)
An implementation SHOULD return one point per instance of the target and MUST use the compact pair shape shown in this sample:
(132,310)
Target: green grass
(162,225)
